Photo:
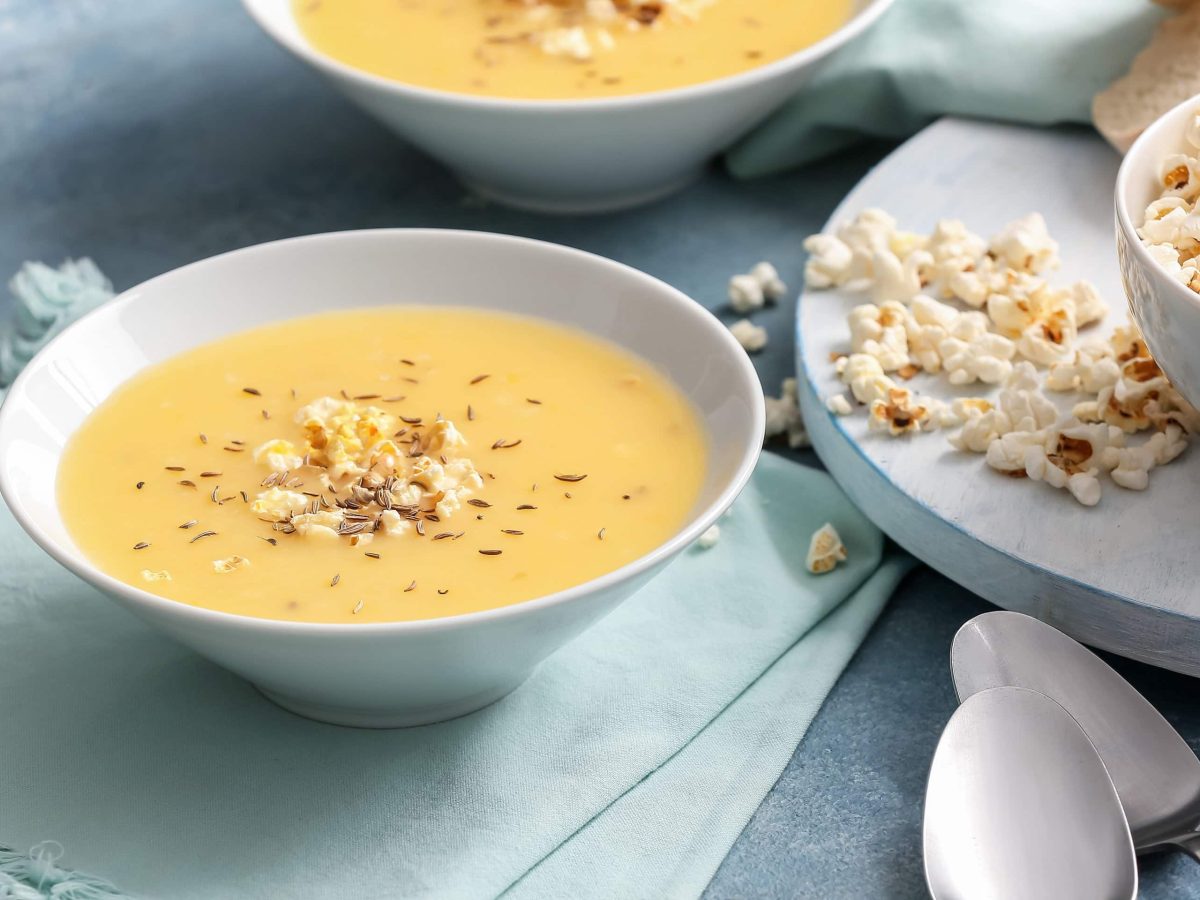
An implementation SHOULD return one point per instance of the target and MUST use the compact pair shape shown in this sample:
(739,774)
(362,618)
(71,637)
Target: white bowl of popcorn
(1158,241)
(572,156)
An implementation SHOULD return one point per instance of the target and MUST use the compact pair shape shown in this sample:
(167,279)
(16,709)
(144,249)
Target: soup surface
(566,48)
(381,465)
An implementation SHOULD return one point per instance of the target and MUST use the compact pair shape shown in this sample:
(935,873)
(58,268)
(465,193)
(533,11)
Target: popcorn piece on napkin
(825,550)
(709,539)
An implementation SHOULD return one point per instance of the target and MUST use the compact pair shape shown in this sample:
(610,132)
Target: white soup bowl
(398,673)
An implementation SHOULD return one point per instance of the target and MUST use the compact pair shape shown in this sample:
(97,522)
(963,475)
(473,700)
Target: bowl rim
(76,562)
(858,22)
(1125,174)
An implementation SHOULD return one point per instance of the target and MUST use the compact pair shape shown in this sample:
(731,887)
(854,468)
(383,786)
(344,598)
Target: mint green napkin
(625,767)
(1035,61)
(45,301)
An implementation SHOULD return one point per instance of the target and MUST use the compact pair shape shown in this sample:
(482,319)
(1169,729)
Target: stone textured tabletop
(147,135)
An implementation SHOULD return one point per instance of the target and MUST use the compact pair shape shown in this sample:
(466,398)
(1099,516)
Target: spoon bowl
(1020,807)
(1155,773)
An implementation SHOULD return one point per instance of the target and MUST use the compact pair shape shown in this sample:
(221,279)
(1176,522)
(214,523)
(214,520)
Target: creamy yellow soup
(382,465)
(565,48)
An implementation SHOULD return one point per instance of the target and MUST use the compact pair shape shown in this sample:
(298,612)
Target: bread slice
(1163,75)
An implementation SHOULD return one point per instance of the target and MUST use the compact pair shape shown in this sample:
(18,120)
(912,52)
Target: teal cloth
(1035,61)
(625,767)
(45,301)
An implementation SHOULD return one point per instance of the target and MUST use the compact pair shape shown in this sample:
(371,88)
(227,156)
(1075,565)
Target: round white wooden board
(1123,575)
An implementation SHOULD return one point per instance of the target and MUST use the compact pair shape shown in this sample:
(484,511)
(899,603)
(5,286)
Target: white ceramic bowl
(572,155)
(1167,312)
(401,673)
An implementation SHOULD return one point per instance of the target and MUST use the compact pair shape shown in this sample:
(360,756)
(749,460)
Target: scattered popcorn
(1092,368)
(151,575)
(896,279)
(961,410)
(839,405)
(709,539)
(829,261)
(931,324)
(772,285)
(1014,322)
(1171,224)
(1026,245)
(1134,463)
(752,337)
(901,412)
(1069,455)
(956,252)
(1043,321)
(230,564)
(1089,307)
(865,376)
(751,291)
(825,550)
(984,357)
(881,332)
(783,416)
(745,293)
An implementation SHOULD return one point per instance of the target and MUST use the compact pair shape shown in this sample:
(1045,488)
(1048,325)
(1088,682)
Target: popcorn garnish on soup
(970,310)
(387,470)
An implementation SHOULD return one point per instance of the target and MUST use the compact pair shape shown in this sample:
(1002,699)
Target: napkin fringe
(36,875)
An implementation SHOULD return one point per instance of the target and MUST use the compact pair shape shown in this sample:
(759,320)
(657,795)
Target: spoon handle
(1191,846)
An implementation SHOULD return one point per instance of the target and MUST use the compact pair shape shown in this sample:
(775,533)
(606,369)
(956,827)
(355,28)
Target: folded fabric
(1020,60)
(45,301)
(625,767)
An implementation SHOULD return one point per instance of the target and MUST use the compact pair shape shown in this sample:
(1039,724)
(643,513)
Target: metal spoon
(1020,807)
(1154,771)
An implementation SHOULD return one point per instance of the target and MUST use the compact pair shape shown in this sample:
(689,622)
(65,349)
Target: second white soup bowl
(586,155)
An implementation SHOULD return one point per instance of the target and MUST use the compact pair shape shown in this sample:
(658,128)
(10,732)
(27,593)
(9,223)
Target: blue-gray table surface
(148,135)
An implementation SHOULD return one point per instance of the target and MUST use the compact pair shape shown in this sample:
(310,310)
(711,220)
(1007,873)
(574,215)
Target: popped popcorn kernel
(229,564)
(1025,245)
(900,412)
(829,261)
(752,337)
(752,290)
(710,538)
(783,416)
(839,405)
(825,550)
